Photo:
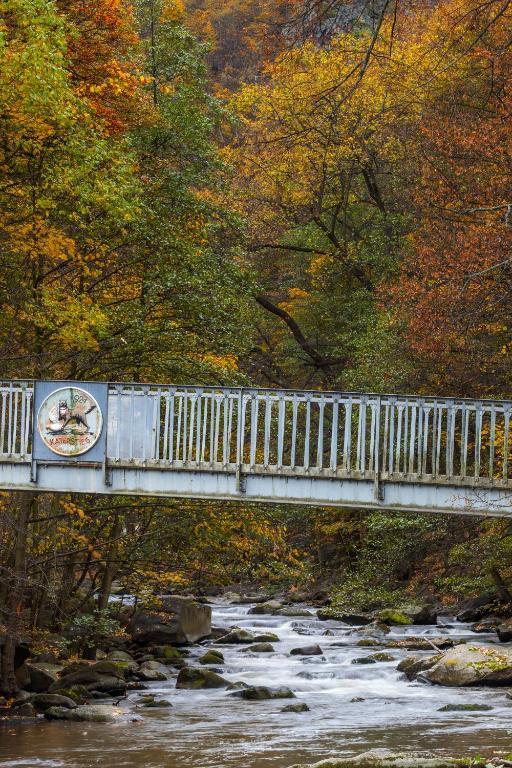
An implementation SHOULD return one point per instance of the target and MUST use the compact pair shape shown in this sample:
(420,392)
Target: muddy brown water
(212,729)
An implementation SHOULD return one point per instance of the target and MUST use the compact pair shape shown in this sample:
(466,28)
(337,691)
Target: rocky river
(354,704)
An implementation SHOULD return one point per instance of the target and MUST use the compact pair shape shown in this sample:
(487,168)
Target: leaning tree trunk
(110,565)
(15,597)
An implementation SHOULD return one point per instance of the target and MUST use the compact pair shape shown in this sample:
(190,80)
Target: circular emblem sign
(69,421)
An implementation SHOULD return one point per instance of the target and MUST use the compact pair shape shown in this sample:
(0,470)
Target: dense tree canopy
(306,193)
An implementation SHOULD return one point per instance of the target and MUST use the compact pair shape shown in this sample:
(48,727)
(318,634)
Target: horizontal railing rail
(262,431)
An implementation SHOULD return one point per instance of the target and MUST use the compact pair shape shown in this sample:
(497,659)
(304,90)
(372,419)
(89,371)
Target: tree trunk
(15,598)
(110,566)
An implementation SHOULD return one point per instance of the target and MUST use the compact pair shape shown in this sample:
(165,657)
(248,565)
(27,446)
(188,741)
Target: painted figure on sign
(62,418)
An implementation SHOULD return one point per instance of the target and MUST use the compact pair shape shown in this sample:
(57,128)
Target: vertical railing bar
(230,425)
(334,435)
(373,408)
(204,429)
(216,438)
(364,401)
(492,442)
(15,421)
(308,428)
(439,438)
(192,426)
(478,439)
(165,446)
(386,437)
(419,438)
(295,406)
(398,450)
(255,404)
(412,438)
(391,449)
(9,421)
(2,435)
(506,433)
(347,437)
(320,439)
(464,441)
(199,424)
(171,425)
(266,439)
(132,421)
(225,409)
(450,444)
(406,435)
(280,430)
(179,456)
(426,420)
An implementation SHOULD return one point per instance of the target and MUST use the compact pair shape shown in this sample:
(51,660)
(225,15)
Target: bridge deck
(325,448)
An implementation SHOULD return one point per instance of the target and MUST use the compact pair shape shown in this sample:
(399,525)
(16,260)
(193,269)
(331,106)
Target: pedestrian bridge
(364,451)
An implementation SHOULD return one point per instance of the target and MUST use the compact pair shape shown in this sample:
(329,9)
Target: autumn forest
(309,194)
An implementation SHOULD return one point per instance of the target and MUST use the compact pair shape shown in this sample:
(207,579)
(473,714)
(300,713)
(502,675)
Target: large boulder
(37,678)
(421,613)
(87,713)
(181,620)
(479,607)
(43,701)
(291,610)
(192,677)
(375,629)
(472,665)
(422,644)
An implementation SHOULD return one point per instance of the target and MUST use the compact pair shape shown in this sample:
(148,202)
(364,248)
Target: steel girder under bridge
(364,451)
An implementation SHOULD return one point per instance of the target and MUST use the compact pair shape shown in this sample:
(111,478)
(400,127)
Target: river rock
(393,618)
(111,668)
(267,637)
(472,665)
(263,693)
(301,706)
(424,613)
(152,671)
(82,676)
(422,644)
(193,677)
(212,657)
(486,625)
(385,758)
(184,621)
(504,631)
(353,619)
(157,704)
(260,648)
(43,701)
(411,666)
(363,660)
(293,611)
(272,606)
(307,650)
(237,636)
(479,607)
(465,708)
(112,686)
(86,713)
(37,678)
(119,656)
(375,629)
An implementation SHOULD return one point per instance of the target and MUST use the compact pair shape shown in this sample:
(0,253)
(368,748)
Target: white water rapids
(211,728)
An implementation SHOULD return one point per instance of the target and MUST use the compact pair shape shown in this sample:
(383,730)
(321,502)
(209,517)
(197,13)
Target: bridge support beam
(264,488)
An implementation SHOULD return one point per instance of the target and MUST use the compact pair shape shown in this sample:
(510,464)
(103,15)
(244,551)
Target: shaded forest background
(304,193)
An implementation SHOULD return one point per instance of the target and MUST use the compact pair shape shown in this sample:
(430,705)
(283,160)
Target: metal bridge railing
(327,434)
(314,433)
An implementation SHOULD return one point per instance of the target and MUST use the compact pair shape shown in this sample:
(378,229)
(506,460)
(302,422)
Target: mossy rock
(393,617)
(382,656)
(212,657)
(368,643)
(157,704)
(260,648)
(363,660)
(193,678)
(267,637)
